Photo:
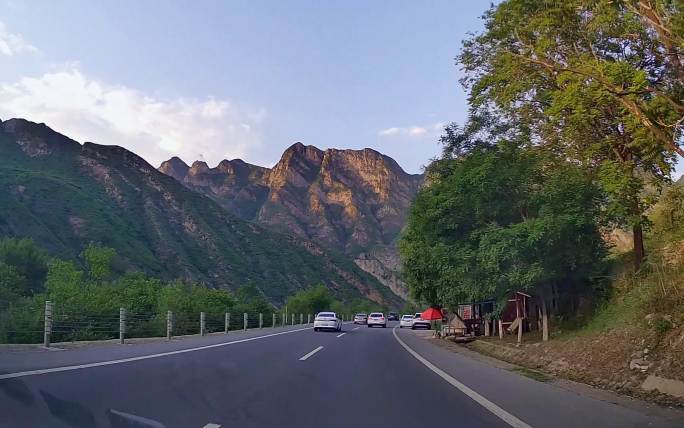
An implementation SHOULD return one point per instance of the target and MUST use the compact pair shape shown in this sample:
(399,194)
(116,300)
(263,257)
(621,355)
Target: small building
(475,315)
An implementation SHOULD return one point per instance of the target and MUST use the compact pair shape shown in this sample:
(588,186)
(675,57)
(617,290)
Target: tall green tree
(597,81)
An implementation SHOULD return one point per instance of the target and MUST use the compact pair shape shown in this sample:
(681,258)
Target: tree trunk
(545,320)
(639,252)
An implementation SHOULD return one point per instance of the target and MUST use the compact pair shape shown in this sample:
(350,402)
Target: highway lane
(362,378)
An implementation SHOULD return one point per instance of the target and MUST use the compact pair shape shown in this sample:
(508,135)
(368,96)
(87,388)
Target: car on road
(360,319)
(392,316)
(419,322)
(406,321)
(327,321)
(377,318)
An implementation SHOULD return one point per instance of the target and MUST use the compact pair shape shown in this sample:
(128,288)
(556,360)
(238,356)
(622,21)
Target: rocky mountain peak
(199,167)
(236,167)
(297,167)
(175,167)
(37,139)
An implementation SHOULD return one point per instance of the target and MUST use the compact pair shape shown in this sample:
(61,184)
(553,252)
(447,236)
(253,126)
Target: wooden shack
(520,305)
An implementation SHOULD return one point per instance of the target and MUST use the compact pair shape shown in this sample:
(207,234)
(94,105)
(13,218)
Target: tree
(28,264)
(98,260)
(11,284)
(310,301)
(497,220)
(599,82)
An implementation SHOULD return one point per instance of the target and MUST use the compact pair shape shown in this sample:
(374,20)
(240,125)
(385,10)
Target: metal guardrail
(60,325)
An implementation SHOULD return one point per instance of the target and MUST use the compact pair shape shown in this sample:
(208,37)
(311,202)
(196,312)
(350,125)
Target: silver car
(360,318)
(327,321)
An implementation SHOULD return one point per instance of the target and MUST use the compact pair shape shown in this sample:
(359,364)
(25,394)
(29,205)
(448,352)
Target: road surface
(288,377)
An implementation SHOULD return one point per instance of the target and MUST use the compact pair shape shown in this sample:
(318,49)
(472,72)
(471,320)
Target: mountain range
(354,201)
(191,224)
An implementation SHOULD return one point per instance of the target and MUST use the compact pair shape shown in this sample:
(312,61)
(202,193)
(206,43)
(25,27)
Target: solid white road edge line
(212,426)
(310,353)
(142,357)
(340,335)
(482,401)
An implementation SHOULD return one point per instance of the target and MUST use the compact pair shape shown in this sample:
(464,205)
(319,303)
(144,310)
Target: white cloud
(412,131)
(12,44)
(391,131)
(156,129)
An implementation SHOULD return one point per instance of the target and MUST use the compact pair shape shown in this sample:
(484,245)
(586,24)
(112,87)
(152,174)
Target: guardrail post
(169,325)
(301,318)
(47,333)
(203,323)
(261,320)
(292,319)
(284,319)
(308,319)
(274,319)
(245,321)
(227,323)
(122,325)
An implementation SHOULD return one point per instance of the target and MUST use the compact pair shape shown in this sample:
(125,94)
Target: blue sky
(224,79)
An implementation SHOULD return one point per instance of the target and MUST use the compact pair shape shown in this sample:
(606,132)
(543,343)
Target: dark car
(392,316)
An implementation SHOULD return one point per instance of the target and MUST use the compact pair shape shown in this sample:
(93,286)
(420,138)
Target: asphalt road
(289,377)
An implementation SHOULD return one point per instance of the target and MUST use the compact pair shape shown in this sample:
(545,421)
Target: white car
(377,318)
(327,321)
(418,321)
(406,321)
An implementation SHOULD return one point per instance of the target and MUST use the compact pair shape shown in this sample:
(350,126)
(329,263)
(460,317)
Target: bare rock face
(354,201)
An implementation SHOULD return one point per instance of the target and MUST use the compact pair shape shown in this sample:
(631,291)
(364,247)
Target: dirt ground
(618,360)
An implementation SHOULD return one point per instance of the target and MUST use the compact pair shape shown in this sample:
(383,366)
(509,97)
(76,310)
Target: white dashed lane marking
(310,353)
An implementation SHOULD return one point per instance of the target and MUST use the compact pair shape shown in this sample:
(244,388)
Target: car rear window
(376,315)
(326,315)
(407,317)
(360,315)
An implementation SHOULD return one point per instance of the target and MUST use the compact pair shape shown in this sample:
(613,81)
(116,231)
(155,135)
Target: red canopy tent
(432,314)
